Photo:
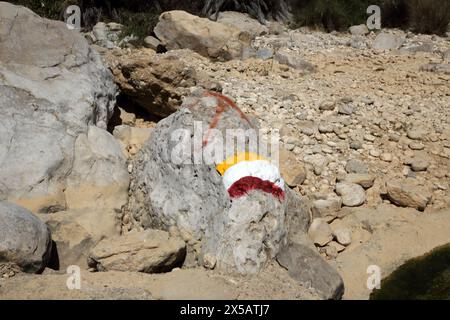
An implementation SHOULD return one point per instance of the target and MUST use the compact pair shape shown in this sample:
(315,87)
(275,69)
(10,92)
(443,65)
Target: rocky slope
(364,121)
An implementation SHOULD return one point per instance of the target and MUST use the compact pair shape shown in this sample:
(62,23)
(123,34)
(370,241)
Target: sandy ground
(180,284)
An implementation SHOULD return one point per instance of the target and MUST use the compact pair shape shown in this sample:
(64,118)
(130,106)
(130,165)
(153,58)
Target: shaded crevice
(126,103)
(53,262)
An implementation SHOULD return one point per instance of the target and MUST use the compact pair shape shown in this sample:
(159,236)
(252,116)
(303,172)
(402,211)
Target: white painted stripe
(262,169)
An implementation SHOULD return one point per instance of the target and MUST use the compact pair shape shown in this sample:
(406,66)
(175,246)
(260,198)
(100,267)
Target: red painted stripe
(244,185)
(223,102)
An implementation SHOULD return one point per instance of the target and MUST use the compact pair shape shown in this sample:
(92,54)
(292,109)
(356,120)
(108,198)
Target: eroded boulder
(156,82)
(53,87)
(240,220)
(71,236)
(181,30)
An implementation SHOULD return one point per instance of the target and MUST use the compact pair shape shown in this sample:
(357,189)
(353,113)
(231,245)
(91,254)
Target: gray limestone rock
(24,239)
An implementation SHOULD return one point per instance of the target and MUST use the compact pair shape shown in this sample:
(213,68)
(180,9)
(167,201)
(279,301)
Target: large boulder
(181,30)
(239,211)
(35,150)
(99,178)
(238,223)
(96,190)
(57,98)
(24,239)
(155,82)
(48,60)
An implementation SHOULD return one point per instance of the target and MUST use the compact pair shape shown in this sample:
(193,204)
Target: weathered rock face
(446,55)
(131,139)
(155,82)
(171,188)
(147,251)
(293,172)
(99,178)
(320,232)
(35,150)
(181,30)
(49,60)
(24,239)
(53,87)
(326,206)
(407,193)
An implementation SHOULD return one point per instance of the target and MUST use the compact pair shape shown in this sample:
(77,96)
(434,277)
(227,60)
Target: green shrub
(140,16)
(329,14)
(138,24)
(429,16)
(394,13)
(423,16)
(52,9)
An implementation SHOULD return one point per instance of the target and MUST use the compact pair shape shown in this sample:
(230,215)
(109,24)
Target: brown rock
(343,236)
(320,232)
(407,193)
(292,171)
(328,206)
(243,22)
(365,180)
(181,30)
(148,251)
(155,82)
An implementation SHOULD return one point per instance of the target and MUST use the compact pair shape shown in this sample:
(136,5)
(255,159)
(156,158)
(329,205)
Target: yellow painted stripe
(232,160)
